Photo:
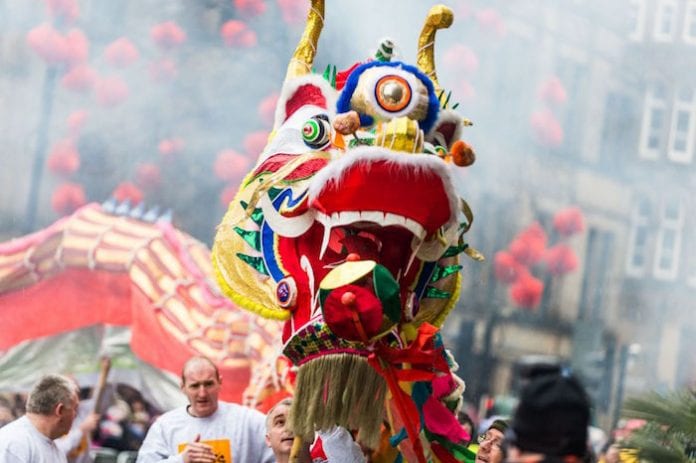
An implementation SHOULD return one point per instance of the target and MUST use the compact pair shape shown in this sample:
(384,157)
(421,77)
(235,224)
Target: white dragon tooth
(414,251)
(325,240)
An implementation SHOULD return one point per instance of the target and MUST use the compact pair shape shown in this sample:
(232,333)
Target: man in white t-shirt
(207,430)
(51,408)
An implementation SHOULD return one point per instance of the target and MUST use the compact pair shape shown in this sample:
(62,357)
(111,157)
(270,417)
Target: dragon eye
(393,93)
(316,132)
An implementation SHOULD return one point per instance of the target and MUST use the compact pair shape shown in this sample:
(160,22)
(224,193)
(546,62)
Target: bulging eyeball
(393,93)
(316,132)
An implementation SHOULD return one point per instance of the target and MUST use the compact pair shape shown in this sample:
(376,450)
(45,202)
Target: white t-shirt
(21,442)
(237,434)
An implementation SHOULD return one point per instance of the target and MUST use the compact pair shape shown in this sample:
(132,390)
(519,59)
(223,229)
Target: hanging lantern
(249,8)
(48,43)
(526,292)
(80,78)
(255,142)
(128,191)
(236,34)
(230,165)
(569,221)
(546,128)
(560,259)
(67,198)
(168,35)
(267,107)
(64,159)
(551,91)
(77,47)
(148,176)
(505,268)
(110,91)
(293,11)
(121,53)
(529,245)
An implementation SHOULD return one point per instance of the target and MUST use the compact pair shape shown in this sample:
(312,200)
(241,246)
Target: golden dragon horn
(439,17)
(302,59)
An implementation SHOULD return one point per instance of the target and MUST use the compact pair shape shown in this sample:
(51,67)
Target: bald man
(207,430)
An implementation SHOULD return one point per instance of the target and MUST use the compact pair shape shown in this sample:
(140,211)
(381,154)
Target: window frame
(636,34)
(667,224)
(651,103)
(688,106)
(639,223)
(658,34)
(689,22)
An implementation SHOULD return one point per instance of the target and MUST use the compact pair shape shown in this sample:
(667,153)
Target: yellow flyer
(221,449)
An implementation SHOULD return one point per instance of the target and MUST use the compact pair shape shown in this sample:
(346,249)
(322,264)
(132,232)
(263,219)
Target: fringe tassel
(338,389)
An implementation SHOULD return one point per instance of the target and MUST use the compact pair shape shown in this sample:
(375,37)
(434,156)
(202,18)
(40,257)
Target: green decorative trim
(256,262)
(253,238)
(455,250)
(442,272)
(256,215)
(435,293)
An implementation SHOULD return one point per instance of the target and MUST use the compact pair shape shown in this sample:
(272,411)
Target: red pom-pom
(121,53)
(560,259)
(526,292)
(529,245)
(64,158)
(128,191)
(236,33)
(505,268)
(67,198)
(230,165)
(569,221)
(168,35)
(148,176)
(360,319)
(48,43)
(111,91)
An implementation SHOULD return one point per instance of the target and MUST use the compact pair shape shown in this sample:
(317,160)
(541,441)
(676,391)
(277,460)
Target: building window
(665,20)
(682,128)
(636,14)
(669,236)
(638,239)
(690,22)
(653,125)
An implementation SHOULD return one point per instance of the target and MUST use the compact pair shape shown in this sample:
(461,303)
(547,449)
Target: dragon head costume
(349,228)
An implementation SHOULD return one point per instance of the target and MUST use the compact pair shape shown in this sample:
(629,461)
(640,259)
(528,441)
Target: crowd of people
(550,425)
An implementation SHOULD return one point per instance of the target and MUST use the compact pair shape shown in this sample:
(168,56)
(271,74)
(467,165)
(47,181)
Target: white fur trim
(291,86)
(422,162)
(446,116)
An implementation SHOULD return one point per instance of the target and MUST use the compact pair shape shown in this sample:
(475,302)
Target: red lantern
(547,129)
(236,33)
(505,268)
(148,176)
(230,165)
(168,148)
(255,142)
(250,8)
(552,91)
(227,194)
(110,91)
(293,11)
(267,108)
(163,70)
(67,198)
(48,43)
(461,59)
(76,120)
(128,191)
(121,53)
(560,259)
(64,158)
(77,47)
(529,245)
(79,79)
(168,35)
(490,20)
(569,221)
(526,292)
(64,9)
